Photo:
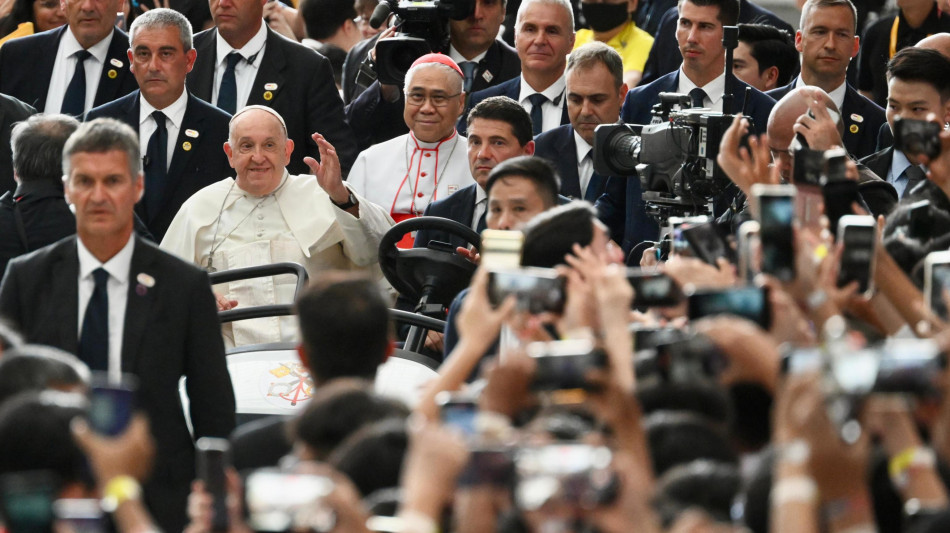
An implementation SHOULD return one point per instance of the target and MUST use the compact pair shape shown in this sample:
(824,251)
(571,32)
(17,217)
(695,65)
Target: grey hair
(162,18)
(37,145)
(564,4)
(266,109)
(812,5)
(456,80)
(104,135)
(593,53)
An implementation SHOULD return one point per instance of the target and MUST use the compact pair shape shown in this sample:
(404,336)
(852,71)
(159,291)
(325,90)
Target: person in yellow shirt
(31,16)
(611,22)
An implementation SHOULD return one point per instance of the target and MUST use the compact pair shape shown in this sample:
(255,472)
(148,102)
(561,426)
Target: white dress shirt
(481,206)
(895,174)
(551,110)
(837,95)
(64,67)
(118,290)
(458,58)
(245,71)
(585,164)
(713,90)
(174,115)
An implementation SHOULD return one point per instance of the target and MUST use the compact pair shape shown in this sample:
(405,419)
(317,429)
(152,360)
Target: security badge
(856,118)
(112,73)
(191,133)
(268,87)
(487,76)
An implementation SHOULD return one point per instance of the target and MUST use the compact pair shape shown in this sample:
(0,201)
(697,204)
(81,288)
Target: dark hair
(337,410)
(728,9)
(704,398)
(35,435)
(771,47)
(676,438)
(708,485)
(922,65)
(372,457)
(534,169)
(323,18)
(336,56)
(33,367)
(22,12)
(552,234)
(104,135)
(504,109)
(37,145)
(344,326)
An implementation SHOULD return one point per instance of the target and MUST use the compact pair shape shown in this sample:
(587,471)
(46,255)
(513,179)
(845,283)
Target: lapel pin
(487,76)
(856,117)
(270,86)
(853,128)
(268,95)
(453,188)
(145,282)
(116,63)
(186,146)
(112,74)
(191,133)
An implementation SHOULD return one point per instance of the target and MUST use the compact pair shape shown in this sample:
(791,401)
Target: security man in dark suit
(11,112)
(595,92)
(124,306)
(827,43)
(243,62)
(376,113)
(665,57)
(180,135)
(73,68)
(36,213)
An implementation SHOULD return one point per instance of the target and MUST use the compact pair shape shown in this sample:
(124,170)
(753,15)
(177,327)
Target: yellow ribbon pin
(853,128)
(112,74)
(268,95)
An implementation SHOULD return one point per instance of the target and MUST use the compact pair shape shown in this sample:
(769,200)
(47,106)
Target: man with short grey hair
(179,134)
(125,307)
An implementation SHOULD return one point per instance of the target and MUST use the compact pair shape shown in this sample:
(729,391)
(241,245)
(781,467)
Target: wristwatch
(350,202)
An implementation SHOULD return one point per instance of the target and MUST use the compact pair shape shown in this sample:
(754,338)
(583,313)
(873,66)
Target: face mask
(605,17)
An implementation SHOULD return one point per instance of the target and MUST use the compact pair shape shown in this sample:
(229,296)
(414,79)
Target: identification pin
(186,146)
(116,63)
(268,96)
(487,76)
(191,133)
(856,117)
(270,86)
(145,279)
(853,128)
(453,189)
(112,74)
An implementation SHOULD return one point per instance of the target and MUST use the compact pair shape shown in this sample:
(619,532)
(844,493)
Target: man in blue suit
(180,135)
(544,35)
(702,74)
(827,43)
(595,92)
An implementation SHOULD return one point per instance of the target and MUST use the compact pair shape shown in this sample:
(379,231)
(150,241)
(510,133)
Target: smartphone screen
(111,404)
(858,235)
(776,215)
(839,195)
(747,302)
(653,289)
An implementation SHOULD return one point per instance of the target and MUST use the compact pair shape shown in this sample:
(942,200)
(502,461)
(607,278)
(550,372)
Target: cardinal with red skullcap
(404,175)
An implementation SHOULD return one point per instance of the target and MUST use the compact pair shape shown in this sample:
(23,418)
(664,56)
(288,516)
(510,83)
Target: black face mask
(605,17)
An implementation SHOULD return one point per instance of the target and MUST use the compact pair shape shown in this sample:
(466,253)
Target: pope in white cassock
(404,175)
(266,216)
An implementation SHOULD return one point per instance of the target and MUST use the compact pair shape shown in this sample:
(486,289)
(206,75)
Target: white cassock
(296,223)
(404,175)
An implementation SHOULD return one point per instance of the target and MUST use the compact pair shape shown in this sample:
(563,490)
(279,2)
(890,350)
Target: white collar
(249,50)
(415,144)
(837,95)
(117,266)
(99,50)
(480,194)
(459,58)
(712,89)
(582,147)
(174,112)
(554,92)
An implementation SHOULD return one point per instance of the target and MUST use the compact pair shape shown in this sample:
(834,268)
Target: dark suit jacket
(171,330)
(880,162)
(459,207)
(44,213)
(191,170)
(26,66)
(558,147)
(860,136)
(11,112)
(511,89)
(665,55)
(374,120)
(306,95)
(639,102)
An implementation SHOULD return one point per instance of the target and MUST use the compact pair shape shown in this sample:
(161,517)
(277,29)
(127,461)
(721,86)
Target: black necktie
(698,96)
(155,166)
(227,93)
(74,101)
(94,340)
(914,176)
(468,68)
(537,100)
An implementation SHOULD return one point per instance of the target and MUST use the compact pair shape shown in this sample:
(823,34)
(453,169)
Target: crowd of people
(733,319)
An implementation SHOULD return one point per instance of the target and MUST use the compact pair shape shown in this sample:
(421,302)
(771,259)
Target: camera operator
(544,36)
(595,92)
(485,60)
(918,85)
(827,42)
(701,76)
